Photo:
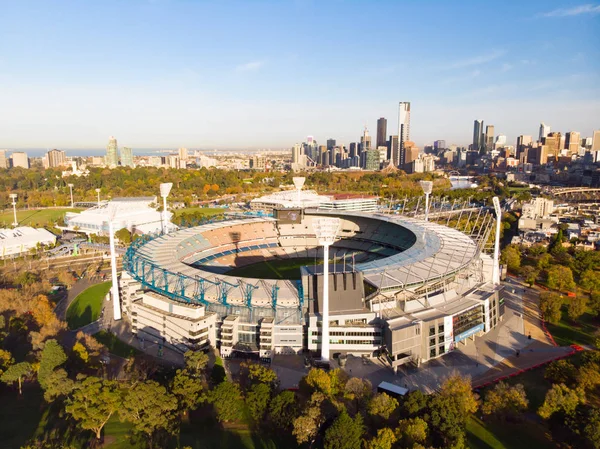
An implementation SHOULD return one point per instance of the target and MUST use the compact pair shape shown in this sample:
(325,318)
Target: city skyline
(66,84)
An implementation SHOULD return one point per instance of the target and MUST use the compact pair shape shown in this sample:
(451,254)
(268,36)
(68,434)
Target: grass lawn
(274,269)
(85,309)
(114,345)
(36,218)
(583,331)
(208,211)
(497,435)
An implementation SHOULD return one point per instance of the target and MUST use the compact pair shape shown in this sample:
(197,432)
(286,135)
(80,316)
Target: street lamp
(71,188)
(13,197)
(165,188)
(113,264)
(98,192)
(326,229)
(427,187)
(496,267)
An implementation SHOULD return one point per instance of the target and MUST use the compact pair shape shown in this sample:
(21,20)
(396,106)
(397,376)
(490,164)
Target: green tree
(544,261)
(81,352)
(58,385)
(412,431)
(576,306)
(560,278)
(187,390)
(6,359)
(588,376)
(561,372)
(257,400)
(591,430)
(384,439)
(505,400)
(345,432)
(195,362)
(590,280)
(93,402)
(358,390)
(124,236)
(16,373)
(550,305)
(259,373)
(560,398)
(149,408)
(318,380)
(338,381)
(227,401)
(529,274)
(414,402)
(594,303)
(307,425)
(382,405)
(283,409)
(53,356)
(511,257)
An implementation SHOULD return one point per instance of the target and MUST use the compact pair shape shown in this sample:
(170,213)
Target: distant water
(73,152)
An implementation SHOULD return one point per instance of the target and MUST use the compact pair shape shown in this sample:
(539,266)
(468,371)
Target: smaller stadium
(400,287)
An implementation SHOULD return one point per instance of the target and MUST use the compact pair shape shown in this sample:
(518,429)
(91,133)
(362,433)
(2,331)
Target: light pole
(165,188)
(98,192)
(427,187)
(326,229)
(13,197)
(113,265)
(71,188)
(496,267)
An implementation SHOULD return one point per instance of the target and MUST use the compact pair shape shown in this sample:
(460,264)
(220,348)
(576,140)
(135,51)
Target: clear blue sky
(220,74)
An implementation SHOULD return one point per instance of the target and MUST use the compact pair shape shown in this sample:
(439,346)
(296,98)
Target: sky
(266,74)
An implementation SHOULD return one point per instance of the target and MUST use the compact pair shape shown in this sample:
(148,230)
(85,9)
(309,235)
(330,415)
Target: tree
(561,372)
(283,409)
(382,405)
(124,236)
(257,400)
(318,380)
(384,439)
(588,377)
(149,407)
(345,432)
(414,402)
(412,430)
(81,352)
(591,431)
(560,278)
(195,362)
(227,401)
(53,356)
(187,390)
(560,398)
(590,280)
(550,305)
(58,385)
(338,381)
(307,425)
(93,402)
(529,274)
(16,373)
(6,359)
(505,400)
(358,389)
(594,303)
(511,256)
(576,306)
(259,373)
(544,261)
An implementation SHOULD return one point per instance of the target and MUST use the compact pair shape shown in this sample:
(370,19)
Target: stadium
(400,287)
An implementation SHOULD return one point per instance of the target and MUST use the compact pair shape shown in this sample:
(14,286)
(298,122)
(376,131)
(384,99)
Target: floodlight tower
(298,183)
(165,188)
(496,267)
(113,264)
(427,187)
(326,229)
(98,192)
(13,197)
(71,189)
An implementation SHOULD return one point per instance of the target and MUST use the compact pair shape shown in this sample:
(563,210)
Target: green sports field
(35,218)
(86,307)
(274,268)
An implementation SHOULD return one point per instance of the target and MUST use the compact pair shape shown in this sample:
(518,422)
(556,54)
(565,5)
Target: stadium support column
(326,229)
(113,267)
(496,267)
(427,187)
(165,188)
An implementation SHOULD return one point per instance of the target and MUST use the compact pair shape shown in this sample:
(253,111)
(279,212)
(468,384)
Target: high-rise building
(330,144)
(552,146)
(572,142)
(126,157)
(112,153)
(439,144)
(371,160)
(393,151)
(478,142)
(3,159)
(55,158)
(365,141)
(522,142)
(489,138)
(353,149)
(403,129)
(544,130)
(296,152)
(596,141)
(20,159)
(258,162)
(183,154)
(381,132)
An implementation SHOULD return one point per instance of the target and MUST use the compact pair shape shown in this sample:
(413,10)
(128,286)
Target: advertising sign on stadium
(287,216)
(467,334)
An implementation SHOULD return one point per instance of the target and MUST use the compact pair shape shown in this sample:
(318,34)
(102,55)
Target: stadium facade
(401,288)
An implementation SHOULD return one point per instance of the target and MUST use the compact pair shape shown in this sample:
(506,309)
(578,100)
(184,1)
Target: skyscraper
(365,141)
(353,149)
(381,132)
(330,144)
(393,151)
(3,159)
(478,136)
(126,157)
(544,130)
(55,158)
(596,141)
(489,138)
(296,152)
(522,142)
(183,154)
(112,153)
(439,144)
(403,130)
(20,159)
(572,141)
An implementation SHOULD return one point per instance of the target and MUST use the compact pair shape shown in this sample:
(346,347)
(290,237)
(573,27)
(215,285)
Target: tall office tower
(112,153)
(489,138)
(353,149)
(365,141)
(552,144)
(439,144)
(3,159)
(381,132)
(393,151)
(127,157)
(55,158)
(477,135)
(20,159)
(183,154)
(596,141)
(572,142)
(544,130)
(333,153)
(500,141)
(296,152)
(403,129)
(522,142)
(330,144)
